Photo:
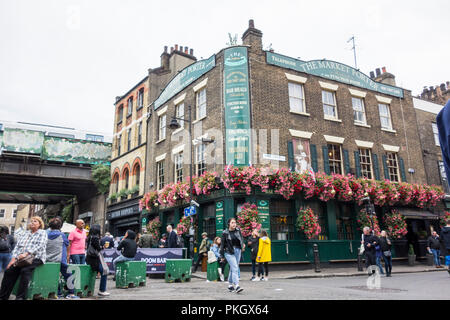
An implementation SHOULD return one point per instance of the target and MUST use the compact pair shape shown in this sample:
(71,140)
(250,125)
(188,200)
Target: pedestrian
(434,247)
(378,257)
(264,256)
(95,258)
(202,250)
(385,245)
(215,248)
(127,247)
(171,237)
(57,252)
(77,244)
(230,249)
(370,242)
(32,244)
(107,241)
(7,244)
(253,244)
(162,243)
(145,241)
(446,239)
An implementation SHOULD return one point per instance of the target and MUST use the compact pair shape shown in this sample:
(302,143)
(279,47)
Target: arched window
(126,177)
(137,173)
(115,183)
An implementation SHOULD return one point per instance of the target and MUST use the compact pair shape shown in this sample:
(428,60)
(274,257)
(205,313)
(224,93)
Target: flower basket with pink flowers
(308,223)
(248,219)
(395,224)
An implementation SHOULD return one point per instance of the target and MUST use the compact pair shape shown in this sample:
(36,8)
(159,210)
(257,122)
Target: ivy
(102,177)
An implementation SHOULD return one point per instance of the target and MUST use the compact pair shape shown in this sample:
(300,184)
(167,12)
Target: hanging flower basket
(154,229)
(364,220)
(395,224)
(308,223)
(184,225)
(248,219)
(444,219)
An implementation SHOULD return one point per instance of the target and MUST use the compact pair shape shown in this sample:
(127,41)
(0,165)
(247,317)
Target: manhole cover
(365,288)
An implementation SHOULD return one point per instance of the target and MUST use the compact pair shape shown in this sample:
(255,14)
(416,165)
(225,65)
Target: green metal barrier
(131,274)
(43,283)
(178,270)
(212,273)
(83,280)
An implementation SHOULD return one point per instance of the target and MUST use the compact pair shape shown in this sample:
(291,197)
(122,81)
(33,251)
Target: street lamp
(370,209)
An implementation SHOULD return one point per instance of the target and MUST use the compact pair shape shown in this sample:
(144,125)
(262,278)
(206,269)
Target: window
(385,116)
(130,106)
(329,104)
(140,99)
(119,142)
(140,133)
(209,220)
(162,127)
(302,155)
(115,183)
(120,114)
(281,220)
(296,97)
(201,104)
(126,178)
(2,213)
(345,222)
(359,114)
(160,173)
(435,133)
(443,176)
(335,158)
(179,113)
(94,137)
(200,163)
(179,167)
(14,213)
(129,140)
(365,162)
(392,166)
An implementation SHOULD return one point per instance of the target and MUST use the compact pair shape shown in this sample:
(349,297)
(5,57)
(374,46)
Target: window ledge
(300,113)
(388,130)
(198,120)
(362,125)
(178,130)
(333,119)
(159,141)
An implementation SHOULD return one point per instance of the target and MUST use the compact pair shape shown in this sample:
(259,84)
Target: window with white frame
(385,116)
(160,174)
(329,104)
(365,163)
(392,166)
(296,97)
(120,114)
(140,99)
(179,167)
(435,133)
(119,142)
(359,114)
(201,103)
(200,162)
(130,106)
(162,127)
(140,133)
(2,213)
(335,158)
(179,113)
(129,140)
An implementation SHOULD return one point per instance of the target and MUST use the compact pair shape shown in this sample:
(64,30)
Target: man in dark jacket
(446,239)
(107,241)
(171,237)
(128,247)
(434,246)
(370,242)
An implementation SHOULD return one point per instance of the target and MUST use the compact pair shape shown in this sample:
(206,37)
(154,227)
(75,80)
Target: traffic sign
(190,211)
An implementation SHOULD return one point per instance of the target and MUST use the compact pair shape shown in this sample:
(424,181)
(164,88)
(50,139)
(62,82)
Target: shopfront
(122,217)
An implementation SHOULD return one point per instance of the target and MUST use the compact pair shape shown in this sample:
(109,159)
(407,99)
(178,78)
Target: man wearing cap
(202,250)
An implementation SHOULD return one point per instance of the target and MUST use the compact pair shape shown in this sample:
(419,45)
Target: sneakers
(72,296)
(104,293)
(230,288)
(238,289)
(255,279)
(222,278)
(264,279)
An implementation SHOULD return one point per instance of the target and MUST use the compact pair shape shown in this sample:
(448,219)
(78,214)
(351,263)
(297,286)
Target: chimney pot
(186,50)
(443,86)
(372,74)
(251,23)
(165,49)
(181,48)
(191,52)
(384,69)
(176,47)
(171,49)
(378,72)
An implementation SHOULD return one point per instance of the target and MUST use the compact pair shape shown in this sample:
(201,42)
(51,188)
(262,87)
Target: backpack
(4,245)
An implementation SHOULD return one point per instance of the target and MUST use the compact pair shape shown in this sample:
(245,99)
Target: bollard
(360,263)
(316,258)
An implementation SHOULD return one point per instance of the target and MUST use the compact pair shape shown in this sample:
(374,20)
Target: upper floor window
(365,162)
(296,97)
(140,99)
(435,133)
(335,158)
(126,178)
(359,114)
(160,174)
(140,133)
(179,167)
(94,137)
(200,162)
(2,213)
(162,127)
(392,166)
(130,106)
(119,142)
(385,116)
(14,213)
(120,114)
(179,113)
(329,104)
(201,103)
(129,140)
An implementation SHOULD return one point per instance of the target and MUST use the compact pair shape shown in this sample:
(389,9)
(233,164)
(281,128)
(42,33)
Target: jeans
(121,259)
(387,264)
(103,278)
(436,255)
(233,261)
(254,267)
(78,258)
(5,258)
(10,277)
(378,261)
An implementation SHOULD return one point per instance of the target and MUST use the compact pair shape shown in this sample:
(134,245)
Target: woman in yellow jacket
(264,256)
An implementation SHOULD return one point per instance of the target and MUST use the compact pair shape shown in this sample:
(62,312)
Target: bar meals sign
(334,71)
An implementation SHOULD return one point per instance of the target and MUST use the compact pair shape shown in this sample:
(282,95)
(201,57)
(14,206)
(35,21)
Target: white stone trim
(332,119)
(364,144)
(383,99)
(387,147)
(200,85)
(359,124)
(180,99)
(160,157)
(300,113)
(357,93)
(388,130)
(295,78)
(161,111)
(334,139)
(300,134)
(178,149)
(328,86)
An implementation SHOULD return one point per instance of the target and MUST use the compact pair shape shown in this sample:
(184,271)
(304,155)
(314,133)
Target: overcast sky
(64,62)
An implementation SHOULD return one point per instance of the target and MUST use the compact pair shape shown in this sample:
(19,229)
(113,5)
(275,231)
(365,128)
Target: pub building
(255,107)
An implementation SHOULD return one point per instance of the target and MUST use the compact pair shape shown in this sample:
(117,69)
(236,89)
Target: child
(264,255)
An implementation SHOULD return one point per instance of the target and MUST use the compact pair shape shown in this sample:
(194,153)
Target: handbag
(387,253)
(24,262)
(91,251)
(211,257)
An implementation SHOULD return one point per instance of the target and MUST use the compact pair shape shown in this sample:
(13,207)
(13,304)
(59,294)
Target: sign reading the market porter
(237,106)
(219,218)
(263,212)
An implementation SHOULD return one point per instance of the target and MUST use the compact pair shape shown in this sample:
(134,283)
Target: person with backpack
(6,247)
(202,250)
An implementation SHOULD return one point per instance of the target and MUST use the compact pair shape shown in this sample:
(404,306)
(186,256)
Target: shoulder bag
(25,261)
(91,251)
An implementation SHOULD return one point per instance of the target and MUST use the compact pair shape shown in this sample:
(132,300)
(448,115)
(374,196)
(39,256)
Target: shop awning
(418,214)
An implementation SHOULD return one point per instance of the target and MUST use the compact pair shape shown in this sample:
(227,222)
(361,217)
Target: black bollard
(316,258)
(360,263)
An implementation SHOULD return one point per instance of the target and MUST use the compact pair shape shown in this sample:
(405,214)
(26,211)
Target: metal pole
(191,146)
(316,258)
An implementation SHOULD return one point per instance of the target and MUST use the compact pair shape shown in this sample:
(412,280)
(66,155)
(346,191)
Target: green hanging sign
(219,218)
(237,106)
(264,215)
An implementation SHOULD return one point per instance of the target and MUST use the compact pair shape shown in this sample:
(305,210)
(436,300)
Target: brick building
(251,106)
(439,94)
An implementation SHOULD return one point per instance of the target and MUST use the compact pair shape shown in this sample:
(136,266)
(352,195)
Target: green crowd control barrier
(130,274)
(212,273)
(82,280)
(178,270)
(43,283)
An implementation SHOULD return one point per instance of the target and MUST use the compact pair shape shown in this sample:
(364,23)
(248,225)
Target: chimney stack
(372,74)
(252,37)
(377,70)
(165,59)
(383,69)
(191,52)
(176,47)
(186,49)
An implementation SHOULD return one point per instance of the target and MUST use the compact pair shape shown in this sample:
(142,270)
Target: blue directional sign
(189,211)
